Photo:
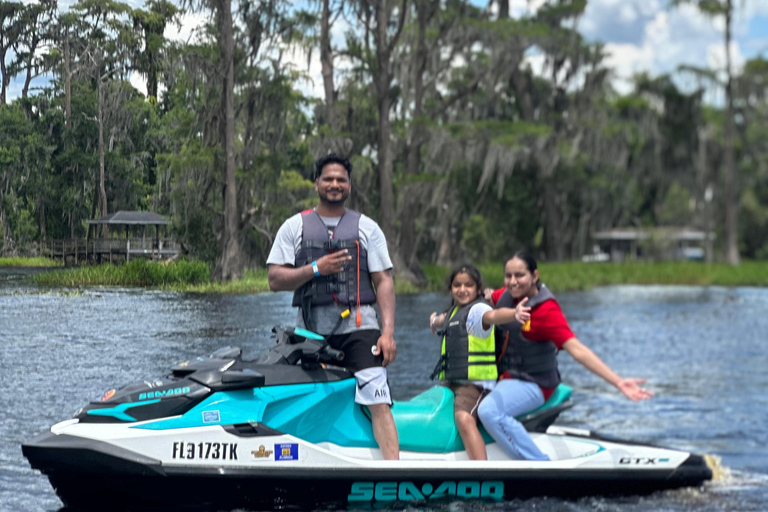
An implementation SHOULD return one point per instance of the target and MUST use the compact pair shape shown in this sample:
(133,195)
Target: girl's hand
(432,319)
(522,312)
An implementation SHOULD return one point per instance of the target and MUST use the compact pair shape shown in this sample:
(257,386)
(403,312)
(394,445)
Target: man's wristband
(315,269)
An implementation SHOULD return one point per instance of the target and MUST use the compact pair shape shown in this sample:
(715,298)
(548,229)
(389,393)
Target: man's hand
(333,263)
(386,347)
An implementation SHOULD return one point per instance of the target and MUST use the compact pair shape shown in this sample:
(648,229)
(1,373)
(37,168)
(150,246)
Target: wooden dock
(97,250)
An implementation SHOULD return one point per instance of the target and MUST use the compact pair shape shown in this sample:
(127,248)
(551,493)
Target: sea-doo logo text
(216,451)
(164,392)
(262,452)
(409,491)
(639,461)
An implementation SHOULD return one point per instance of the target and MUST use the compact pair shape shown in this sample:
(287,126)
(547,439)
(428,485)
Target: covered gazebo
(136,242)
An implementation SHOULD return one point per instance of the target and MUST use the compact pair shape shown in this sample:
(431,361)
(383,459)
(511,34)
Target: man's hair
(332,158)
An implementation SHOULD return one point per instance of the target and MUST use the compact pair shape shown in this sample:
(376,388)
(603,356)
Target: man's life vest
(463,356)
(521,358)
(350,287)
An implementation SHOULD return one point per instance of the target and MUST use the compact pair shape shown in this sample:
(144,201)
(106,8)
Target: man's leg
(372,389)
(384,431)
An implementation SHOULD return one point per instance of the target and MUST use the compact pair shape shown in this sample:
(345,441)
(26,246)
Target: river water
(701,349)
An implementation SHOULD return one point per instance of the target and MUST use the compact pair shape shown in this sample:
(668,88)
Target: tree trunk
(102,171)
(28,77)
(3,74)
(383,53)
(326,59)
(408,246)
(67,85)
(503,9)
(731,228)
(229,262)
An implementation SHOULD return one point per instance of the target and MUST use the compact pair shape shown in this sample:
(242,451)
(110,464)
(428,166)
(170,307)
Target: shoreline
(194,277)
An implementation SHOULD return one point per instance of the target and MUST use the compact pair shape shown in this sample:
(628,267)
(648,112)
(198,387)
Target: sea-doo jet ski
(221,432)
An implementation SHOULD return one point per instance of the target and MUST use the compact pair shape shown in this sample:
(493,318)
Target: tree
(152,23)
(724,8)
(12,26)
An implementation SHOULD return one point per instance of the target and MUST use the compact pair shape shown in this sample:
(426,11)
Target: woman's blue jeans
(497,412)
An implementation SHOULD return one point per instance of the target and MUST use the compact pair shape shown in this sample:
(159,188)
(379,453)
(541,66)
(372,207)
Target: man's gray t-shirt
(283,252)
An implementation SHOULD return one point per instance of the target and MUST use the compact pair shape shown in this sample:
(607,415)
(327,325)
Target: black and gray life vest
(465,357)
(343,287)
(533,361)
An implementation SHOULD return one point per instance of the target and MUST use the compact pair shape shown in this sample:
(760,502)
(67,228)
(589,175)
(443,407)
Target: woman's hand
(522,312)
(632,390)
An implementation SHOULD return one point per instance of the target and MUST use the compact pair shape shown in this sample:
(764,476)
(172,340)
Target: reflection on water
(699,348)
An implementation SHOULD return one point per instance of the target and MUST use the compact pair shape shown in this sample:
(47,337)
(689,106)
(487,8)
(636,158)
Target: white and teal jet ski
(221,432)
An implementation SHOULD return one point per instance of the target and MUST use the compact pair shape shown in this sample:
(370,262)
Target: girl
(527,350)
(468,360)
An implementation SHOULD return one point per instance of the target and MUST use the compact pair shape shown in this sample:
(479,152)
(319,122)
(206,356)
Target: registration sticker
(287,451)
(211,417)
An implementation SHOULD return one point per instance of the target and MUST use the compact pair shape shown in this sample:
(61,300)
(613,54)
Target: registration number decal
(204,451)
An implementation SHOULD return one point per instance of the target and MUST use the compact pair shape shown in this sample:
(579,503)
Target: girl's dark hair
(472,272)
(333,158)
(526,258)
(468,269)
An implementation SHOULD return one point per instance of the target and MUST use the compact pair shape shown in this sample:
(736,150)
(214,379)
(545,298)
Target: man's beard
(342,199)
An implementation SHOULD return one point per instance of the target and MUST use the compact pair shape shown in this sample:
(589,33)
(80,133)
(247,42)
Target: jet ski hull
(88,474)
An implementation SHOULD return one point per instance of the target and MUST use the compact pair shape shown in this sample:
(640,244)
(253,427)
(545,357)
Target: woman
(468,361)
(527,359)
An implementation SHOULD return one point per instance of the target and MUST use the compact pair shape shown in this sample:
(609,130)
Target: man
(335,259)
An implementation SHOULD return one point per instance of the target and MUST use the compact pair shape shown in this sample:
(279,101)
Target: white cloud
(626,60)
(716,57)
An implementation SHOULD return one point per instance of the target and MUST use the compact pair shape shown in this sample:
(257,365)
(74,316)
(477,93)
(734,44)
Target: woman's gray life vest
(342,288)
(521,358)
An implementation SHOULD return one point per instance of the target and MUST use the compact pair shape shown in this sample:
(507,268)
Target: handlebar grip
(333,354)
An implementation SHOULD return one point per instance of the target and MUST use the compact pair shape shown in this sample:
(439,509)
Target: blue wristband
(314,267)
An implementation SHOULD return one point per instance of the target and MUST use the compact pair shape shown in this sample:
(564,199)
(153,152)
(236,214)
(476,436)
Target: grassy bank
(573,276)
(195,276)
(29,262)
(183,276)
(136,273)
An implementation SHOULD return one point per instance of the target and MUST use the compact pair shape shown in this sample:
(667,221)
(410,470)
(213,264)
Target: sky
(638,36)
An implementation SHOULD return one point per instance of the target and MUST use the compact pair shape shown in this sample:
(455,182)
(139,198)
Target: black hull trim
(96,492)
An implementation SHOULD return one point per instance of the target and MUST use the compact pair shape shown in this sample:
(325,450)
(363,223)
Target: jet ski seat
(425,423)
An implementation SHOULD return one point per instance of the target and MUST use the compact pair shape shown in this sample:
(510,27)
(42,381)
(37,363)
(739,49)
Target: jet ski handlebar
(300,346)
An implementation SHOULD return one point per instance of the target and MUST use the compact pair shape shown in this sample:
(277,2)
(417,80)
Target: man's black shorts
(358,349)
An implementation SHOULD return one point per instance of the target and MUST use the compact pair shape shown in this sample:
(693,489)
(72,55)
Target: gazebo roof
(132,218)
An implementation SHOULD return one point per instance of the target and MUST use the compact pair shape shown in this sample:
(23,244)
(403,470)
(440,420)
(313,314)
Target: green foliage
(675,210)
(137,272)
(505,159)
(29,262)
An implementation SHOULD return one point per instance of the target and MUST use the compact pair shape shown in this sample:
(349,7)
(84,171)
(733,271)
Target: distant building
(652,244)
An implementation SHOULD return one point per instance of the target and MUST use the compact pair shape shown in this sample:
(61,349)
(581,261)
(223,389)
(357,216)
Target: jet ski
(283,431)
